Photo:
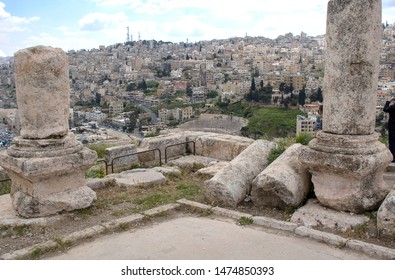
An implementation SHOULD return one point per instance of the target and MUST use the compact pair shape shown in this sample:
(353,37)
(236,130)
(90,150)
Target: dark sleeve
(389,108)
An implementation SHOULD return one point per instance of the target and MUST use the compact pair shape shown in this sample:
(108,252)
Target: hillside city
(142,87)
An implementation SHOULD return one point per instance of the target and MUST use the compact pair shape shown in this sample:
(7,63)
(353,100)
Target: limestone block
(138,178)
(42,92)
(219,146)
(193,161)
(161,142)
(230,185)
(386,216)
(112,154)
(45,205)
(168,170)
(313,214)
(47,185)
(213,169)
(285,182)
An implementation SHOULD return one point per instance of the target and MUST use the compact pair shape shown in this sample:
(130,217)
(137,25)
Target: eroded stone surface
(230,185)
(285,182)
(137,178)
(386,216)
(213,169)
(193,161)
(42,79)
(313,214)
(119,156)
(351,66)
(348,179)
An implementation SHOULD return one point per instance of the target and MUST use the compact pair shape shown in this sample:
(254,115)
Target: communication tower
(127,35)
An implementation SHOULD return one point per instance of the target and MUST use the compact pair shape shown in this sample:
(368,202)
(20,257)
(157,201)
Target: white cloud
(223,18)
(101,21)
(2,54)
(9,23)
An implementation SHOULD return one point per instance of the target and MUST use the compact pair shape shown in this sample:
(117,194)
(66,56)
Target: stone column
(46,164)
(346,159)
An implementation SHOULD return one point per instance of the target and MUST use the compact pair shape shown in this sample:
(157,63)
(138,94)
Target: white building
(305,124)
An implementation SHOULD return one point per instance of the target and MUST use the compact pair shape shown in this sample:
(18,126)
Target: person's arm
(389,106)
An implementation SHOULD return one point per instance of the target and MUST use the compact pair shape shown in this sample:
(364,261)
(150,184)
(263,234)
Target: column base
(49,184)
(347,170)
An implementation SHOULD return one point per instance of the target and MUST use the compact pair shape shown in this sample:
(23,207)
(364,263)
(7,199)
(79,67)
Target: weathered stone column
(346,159)
(46,164)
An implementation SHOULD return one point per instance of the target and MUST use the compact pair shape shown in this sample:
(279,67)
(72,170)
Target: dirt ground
(114,202)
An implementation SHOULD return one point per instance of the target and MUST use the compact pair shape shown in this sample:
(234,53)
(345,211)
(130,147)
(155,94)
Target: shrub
(304,138)
(281,145)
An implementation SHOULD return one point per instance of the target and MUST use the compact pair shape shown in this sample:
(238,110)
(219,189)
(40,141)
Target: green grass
(304,138)
(5,187)
(264,122)
(245,221)
(99,148)
(273,122)
(189,190)
(281,145)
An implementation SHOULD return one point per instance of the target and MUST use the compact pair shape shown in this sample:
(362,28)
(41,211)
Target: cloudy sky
(86,24)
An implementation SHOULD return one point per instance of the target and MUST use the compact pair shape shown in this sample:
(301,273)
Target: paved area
(190,238)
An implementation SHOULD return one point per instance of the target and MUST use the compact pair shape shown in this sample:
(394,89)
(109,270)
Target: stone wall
(213,145)
(115,152)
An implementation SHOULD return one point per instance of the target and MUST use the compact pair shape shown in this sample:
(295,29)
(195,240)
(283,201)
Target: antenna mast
(127,35)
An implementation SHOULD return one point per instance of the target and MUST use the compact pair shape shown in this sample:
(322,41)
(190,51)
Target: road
(154,117)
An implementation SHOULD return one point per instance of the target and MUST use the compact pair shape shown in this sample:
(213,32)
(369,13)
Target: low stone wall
(161,142)
(219,146)
(115,152)
(213,145)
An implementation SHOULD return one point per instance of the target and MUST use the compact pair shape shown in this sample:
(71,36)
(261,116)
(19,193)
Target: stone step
(391,167)
(389,178)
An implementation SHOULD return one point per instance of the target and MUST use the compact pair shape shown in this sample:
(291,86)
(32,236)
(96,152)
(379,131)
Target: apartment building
(305,124)
(115,108)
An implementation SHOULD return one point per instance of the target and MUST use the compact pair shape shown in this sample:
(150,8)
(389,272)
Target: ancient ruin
(46,164)
(346,159)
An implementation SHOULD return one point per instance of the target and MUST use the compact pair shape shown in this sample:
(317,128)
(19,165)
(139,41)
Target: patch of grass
(271,122)
(304,138)
(85,213)
(95,172)
(99,148)
(245,221)
(36,254)
(371,215)
(281,145)
(61,245)
(123,226)
(189,190)
(153,200)
(21,230)
(5,187)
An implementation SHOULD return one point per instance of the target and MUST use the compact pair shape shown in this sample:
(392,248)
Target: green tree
(142,85)
(282,87)
(316,96)
(253,86)
(302,96)
(212,94)
(189,90)
(131,87)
